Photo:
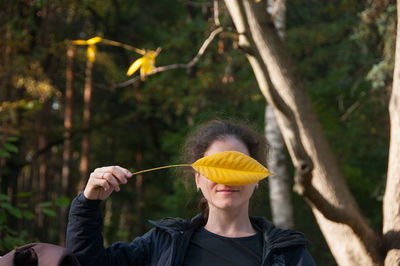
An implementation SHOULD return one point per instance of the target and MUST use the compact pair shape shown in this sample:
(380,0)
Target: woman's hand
(103,181)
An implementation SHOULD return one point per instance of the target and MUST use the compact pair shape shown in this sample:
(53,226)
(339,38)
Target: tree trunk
(42,188)
(318,178)
(279,183)
(391,200)
(87,95)
(67,153)
(139,199)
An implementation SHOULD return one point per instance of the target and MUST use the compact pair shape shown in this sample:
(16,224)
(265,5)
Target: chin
(229,205)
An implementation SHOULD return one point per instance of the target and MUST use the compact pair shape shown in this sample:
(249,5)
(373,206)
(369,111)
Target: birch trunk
(318,178)
(391,200)
(279,185)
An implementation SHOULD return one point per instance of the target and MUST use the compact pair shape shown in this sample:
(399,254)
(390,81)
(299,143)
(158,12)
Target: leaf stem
(162,167)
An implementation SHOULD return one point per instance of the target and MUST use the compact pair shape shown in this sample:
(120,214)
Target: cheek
(250,190)
(205,185)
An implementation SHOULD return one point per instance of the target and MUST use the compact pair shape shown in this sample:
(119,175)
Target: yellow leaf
(151,55)
(135,66)
(147,67)
(231,168)
(91,52)
(94,40)
(80,42)
(149,60)
(146,64)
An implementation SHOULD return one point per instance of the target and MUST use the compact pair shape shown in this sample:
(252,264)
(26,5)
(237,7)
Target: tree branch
(216,14)
(188,65)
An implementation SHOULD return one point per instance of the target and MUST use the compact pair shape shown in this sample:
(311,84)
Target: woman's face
(221,196)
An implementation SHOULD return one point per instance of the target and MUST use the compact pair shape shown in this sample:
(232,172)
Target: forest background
(344,50)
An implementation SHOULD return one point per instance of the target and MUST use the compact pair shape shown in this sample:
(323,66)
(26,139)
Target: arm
(85,223)
(84,228)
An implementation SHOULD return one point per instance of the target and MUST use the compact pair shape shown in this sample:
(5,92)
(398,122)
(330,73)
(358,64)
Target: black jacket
(167,242)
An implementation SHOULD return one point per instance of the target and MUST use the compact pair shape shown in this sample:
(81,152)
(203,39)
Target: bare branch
(352,108)
(275,9)
(125,46)
(191,63)
(204,46)
(216,14)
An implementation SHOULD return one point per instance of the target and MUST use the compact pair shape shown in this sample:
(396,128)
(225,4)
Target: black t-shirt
(207,248)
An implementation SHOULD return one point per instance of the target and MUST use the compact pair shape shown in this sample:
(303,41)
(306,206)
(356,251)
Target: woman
(223,234)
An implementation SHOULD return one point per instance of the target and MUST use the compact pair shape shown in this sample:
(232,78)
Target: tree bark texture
(279,183)
(67,153)
(318,178)
(391,200)
(87,96)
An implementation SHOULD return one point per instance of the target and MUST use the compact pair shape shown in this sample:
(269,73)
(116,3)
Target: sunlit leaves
(41,89)
(135,66)
(94,40)
(91,41)
(91,52)
(92,49)
(145,63)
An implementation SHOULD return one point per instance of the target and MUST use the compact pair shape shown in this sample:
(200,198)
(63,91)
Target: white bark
(279,183)
(391,201)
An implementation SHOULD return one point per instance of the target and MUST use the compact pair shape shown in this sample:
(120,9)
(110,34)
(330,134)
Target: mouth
(227,191)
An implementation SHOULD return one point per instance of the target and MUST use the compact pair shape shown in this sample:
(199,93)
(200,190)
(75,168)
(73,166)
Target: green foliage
(7,147)
(10,238)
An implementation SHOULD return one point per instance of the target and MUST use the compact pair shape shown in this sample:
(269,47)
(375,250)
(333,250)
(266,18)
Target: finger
(103,183)
(119,174)
(112,180)
(125,171)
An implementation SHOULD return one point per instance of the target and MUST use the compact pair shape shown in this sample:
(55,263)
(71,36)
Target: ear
(197,178)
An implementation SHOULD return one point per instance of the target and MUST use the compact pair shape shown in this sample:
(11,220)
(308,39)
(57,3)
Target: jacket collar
(276,237)
(178,224)
(273,236)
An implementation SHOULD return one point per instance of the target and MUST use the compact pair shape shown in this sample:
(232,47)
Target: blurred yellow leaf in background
(92,49)
(135,66)
(145,63)
(91,52)
(94,40)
